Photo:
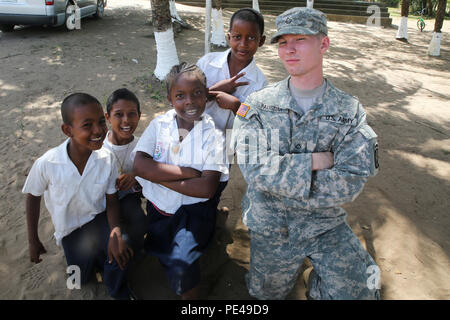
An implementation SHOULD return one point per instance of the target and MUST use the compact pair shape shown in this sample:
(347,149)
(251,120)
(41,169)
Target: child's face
(88,128)
(124,118)
(188,97)
(244,39)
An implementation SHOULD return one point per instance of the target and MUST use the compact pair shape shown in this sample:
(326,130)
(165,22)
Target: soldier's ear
(324,44)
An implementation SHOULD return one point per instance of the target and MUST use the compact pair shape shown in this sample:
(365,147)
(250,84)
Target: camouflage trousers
(343,269)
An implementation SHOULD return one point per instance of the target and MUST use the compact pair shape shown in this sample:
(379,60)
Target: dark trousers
(133,221)
(87,248)
(179,240)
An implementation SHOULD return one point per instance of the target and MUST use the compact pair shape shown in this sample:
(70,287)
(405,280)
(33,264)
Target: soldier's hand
(322,160)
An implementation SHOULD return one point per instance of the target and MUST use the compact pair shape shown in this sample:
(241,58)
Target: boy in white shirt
(123,113)
(77,179)
(179,160)
(223,69)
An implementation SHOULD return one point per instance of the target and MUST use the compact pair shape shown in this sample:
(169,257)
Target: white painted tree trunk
(218,34)
(256,5)
(310,4)
(208,8)
(173,10)
(434,49)
(167,55)
(402,32)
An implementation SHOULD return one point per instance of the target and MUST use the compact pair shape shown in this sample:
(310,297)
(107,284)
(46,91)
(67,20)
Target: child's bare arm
(149,169)
(117,247)
(202,187)
(226,100)
(35,246)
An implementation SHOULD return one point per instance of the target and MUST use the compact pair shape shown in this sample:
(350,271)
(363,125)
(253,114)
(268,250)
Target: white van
(46,12)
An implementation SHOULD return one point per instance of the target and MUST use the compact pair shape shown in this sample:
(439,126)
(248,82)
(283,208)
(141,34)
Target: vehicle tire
(101,4)
(6,27)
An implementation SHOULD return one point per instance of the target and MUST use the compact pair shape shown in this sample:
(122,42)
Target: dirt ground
(402,216)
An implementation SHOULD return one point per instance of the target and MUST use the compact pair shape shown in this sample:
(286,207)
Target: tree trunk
(175,16)
(255,5)
(429,8)
(440,14)
(405,8)
(434,49)
(161,15)
(167,55)
(402,32)
(310,3)
(208,8)
(218,34)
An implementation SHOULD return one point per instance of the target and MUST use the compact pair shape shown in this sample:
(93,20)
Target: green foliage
(415,6)
(391,3)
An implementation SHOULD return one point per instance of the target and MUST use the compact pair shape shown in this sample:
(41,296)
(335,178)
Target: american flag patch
(243,109)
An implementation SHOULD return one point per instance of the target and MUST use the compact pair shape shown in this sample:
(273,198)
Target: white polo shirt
(202,149)
(72,200)
(215,67)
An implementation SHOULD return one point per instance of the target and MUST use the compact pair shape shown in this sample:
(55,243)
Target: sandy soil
(402,216)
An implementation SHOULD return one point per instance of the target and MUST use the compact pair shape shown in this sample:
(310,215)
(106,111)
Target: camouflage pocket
(371,136)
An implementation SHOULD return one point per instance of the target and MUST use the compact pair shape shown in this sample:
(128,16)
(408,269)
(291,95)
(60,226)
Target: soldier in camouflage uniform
(301,163)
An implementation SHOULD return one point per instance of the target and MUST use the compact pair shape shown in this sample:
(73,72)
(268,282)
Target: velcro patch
(243,109)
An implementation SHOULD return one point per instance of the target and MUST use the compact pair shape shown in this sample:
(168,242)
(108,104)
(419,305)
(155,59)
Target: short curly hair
(181,68)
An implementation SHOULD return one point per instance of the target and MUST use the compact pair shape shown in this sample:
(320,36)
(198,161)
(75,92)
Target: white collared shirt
(202,149)
(215,67)
(122,153)
(72,200)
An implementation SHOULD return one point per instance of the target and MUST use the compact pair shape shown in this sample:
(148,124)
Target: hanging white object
(173,11)
(310,4)
(208,8)
(434,49)
(218,33)
(166,56)
(402,32)
(256,5)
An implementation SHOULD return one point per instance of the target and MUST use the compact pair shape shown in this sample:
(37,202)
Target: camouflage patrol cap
(300,21)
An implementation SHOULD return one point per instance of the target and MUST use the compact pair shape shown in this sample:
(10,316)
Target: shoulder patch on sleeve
(243,109)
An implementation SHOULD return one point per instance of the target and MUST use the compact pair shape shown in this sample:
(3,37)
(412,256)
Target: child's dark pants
(87,247)
(179,240)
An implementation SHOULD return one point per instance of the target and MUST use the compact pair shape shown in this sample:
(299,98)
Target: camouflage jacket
(274,146)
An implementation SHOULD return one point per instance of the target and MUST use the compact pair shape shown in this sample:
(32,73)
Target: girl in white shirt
(179,160)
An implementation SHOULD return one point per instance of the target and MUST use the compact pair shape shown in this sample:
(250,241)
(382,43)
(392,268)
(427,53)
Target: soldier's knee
(266,287)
